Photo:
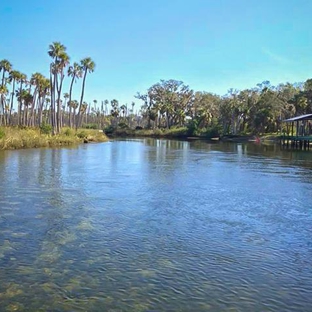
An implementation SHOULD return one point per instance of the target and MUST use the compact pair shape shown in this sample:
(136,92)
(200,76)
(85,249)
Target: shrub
(109,130)
(158,132)
(90,126)
(82,135)
(45,128)
(177,132)
(212,131)
(68,132)
(123,125)
(192,127)
(2,133)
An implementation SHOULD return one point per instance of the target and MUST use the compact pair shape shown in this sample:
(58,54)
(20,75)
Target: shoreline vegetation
(36,101)
(50,110)
(12,138)
(184,134)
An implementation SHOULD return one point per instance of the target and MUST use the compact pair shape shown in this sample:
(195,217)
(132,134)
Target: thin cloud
(276,57)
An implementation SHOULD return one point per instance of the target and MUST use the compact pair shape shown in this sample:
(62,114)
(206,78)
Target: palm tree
(66,97)
(25,98)
(123,109)
(22,80)
(36,81)
(106,102)
(14,76)
(64,61)
(83,109)
(57,52)
(28,100)
(115,111)
(3,93)
(5,66)
(43,92)
(95,102)
(74,71)
(47,109)
(87,65)
(74,105)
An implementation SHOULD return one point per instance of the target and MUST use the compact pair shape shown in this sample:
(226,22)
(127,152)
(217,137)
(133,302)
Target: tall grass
(17,138)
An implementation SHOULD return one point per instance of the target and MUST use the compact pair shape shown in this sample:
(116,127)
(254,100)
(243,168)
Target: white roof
(302,117)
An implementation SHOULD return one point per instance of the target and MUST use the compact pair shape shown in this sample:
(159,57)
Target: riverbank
(182,133)
(17,138)
(178,133)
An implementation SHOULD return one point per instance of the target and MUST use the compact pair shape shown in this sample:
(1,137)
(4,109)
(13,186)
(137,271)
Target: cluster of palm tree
(39,99)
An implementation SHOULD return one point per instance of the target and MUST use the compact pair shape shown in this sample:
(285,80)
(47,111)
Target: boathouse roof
(299,118)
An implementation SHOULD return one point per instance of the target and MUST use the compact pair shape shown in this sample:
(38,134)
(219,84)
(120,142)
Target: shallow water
(156,225)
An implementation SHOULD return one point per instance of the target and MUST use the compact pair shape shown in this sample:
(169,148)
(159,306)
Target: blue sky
(211,45)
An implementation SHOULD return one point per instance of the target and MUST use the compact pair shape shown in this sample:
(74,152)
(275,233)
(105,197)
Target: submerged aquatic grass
(152,225)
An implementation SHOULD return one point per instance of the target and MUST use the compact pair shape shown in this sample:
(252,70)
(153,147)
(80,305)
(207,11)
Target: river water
(156,225)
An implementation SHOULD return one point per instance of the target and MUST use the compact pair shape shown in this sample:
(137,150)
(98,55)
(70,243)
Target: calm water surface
(156,225)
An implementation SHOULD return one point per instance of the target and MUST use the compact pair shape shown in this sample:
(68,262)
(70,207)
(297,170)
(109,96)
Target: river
(156,225)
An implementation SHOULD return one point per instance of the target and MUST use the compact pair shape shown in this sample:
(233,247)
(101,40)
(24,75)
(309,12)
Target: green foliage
(175,132)
(193,128)
(158,132)
(109,130)
(212,131)
(90,126)
(82,134)
(45,128)
(2,133)
(68,132)
(32,137)
(123,125)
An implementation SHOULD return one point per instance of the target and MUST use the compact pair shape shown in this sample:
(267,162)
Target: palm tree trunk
(53,112)
(19,113)
(70,115)
(74,116)
(69,100)
(12,100)
(40,109)
(31,121)
(3,73)
(81,98)
(24,115)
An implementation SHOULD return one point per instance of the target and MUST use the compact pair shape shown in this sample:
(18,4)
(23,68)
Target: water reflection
(155,225)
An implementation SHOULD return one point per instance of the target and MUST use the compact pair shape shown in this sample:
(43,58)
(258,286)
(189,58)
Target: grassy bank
(17,138)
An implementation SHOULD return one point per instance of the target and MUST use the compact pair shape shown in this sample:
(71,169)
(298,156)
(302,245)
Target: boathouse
(298,132)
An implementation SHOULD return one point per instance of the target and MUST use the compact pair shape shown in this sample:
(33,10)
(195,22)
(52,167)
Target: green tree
(57,52)
(14,77)
(75,72)
(87,66)
(3,94)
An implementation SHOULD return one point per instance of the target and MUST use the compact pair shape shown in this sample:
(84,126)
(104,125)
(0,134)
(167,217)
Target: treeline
(170,104)
(261,109)
(40,100)
(43,102)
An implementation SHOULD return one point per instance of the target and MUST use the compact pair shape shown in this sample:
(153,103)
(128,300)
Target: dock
(298,134)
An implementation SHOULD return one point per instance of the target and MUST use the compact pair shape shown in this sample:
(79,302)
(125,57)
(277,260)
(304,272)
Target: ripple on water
(162,227)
